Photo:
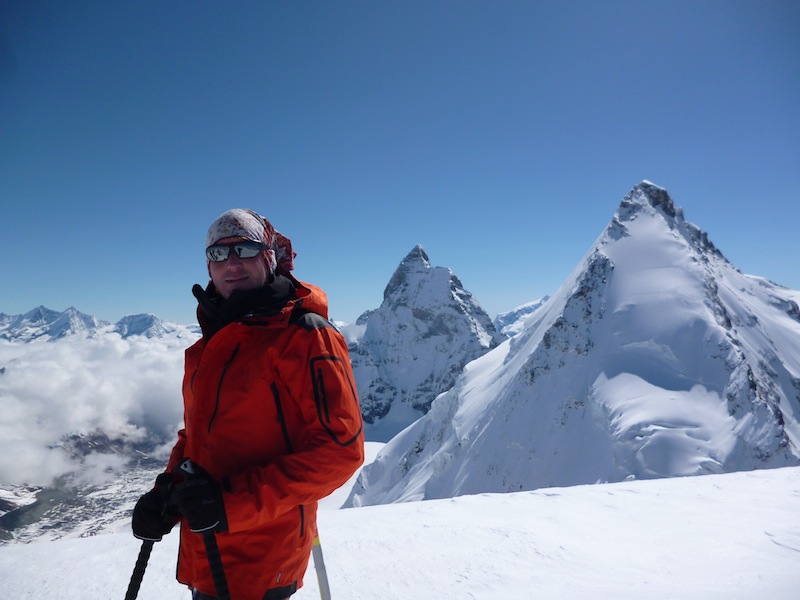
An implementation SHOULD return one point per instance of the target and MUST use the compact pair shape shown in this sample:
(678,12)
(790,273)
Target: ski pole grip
(209,539)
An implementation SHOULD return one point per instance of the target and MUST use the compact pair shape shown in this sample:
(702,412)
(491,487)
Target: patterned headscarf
(247,224)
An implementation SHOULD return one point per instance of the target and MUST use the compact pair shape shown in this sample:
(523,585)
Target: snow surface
(729,536)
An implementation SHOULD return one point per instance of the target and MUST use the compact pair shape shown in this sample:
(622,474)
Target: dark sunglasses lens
(242,249)
(248,249)
(218,253)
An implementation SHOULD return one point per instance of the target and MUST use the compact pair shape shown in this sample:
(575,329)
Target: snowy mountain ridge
(44,322)
(655,358)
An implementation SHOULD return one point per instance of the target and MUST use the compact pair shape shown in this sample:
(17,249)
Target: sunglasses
(220,253)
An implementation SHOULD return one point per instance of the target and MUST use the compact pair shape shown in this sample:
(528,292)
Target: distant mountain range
(44,323)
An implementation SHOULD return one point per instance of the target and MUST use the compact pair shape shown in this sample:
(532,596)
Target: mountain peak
(40,314)
(413,346)
(647,199)
(416,261)
(147,325)
(417,254)
(648,194)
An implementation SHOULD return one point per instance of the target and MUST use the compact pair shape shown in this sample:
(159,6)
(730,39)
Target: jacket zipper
(219,386)
(302,520)
(288,442)
(281,418)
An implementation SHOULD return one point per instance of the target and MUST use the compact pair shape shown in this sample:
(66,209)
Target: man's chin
(239,287)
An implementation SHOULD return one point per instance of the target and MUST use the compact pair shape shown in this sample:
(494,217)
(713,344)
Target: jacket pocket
(335,398)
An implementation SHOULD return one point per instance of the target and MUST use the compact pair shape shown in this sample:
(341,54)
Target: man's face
(237,273)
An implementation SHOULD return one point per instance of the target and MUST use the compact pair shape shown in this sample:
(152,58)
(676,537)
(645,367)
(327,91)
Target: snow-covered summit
(655,358)
(150,326)
(648,198)
(416,261)
(415,344)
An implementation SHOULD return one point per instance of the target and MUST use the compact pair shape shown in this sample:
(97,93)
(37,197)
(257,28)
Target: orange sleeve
(177,451)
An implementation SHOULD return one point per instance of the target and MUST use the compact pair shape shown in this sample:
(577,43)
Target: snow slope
(715,537)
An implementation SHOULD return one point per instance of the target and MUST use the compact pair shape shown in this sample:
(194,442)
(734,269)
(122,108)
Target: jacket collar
(215,312)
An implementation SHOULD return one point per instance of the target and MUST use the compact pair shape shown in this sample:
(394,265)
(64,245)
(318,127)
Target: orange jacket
(271,409)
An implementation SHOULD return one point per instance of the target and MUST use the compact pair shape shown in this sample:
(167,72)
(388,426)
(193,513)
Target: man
(271,420)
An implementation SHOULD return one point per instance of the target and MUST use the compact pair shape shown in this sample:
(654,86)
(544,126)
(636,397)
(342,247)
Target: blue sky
(499,135)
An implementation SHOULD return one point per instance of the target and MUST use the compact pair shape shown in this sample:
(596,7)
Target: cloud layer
(127,389)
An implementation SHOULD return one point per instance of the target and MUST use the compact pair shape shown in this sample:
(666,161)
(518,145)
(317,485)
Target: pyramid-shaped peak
(416,261)
(39,314)
(416,257)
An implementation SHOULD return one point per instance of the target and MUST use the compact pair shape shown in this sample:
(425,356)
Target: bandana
(249,225)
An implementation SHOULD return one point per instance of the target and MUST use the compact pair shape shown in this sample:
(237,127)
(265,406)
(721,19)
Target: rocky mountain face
(655,358)
(415,344)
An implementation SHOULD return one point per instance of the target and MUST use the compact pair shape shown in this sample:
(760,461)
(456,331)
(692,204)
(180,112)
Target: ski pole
(215,562)
(138,570)
(212,549)
(319,567)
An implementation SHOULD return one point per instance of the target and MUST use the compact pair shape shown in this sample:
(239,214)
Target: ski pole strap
(215,563)
(138,570)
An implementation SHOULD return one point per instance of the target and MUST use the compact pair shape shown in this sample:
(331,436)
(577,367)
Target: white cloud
(129,389)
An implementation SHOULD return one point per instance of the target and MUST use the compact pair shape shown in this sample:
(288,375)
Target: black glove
(200,500)
(156,513)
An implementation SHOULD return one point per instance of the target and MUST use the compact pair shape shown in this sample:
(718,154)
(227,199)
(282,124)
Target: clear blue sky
(499,135)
